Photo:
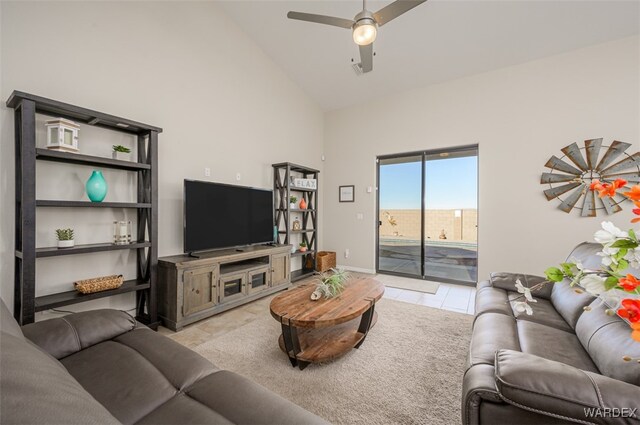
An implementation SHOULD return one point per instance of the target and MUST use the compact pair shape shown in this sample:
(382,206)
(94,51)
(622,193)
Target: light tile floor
(456,298)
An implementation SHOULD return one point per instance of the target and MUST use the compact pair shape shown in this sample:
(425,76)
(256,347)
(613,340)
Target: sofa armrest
(66,335)
(507,281)
(561,391)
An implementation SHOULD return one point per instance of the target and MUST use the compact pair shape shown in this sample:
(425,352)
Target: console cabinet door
(258,280)
(200,289)
(280,269)
(233,286)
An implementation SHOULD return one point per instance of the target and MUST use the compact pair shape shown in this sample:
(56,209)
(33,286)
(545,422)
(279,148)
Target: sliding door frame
(423,154)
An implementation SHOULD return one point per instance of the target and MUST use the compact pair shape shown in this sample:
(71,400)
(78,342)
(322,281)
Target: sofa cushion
(66,335)
(121,379)
(492,300)
(491,332)
(568,302)
(36,388)
(607,340)
(543,313)
(507,281)
(553,344)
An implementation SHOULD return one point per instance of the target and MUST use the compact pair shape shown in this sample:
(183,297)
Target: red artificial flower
(636,211)
(636,331)
(608,189)
(595,185)
(630,310)
(629,283)
(634,193)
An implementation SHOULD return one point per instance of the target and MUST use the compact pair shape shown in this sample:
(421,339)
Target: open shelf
(73,297)
(300,253)
(298,231)
(296,210)
(242,266)
(87,204)
(301,274)
(301,189)
(80,159)
(54,251)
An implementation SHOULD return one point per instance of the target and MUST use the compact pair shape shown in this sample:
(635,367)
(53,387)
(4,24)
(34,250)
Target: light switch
(359,216)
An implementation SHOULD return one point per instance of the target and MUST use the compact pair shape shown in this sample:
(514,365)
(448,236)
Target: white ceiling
(437,41)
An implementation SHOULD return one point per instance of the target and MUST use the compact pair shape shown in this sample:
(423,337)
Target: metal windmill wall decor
(569,182)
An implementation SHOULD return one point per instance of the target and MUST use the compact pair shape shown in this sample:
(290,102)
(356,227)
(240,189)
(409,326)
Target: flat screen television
(220,215)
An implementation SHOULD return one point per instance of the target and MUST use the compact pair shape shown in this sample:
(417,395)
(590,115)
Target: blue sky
(451,184)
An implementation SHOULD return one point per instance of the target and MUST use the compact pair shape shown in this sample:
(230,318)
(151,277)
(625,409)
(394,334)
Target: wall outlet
(360,216)
(207,172)
(346,253)
(238,176)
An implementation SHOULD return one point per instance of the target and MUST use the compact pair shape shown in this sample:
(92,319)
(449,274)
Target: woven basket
(97,284)
(325,260)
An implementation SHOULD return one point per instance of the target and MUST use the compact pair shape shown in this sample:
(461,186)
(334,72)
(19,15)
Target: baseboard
(357,269)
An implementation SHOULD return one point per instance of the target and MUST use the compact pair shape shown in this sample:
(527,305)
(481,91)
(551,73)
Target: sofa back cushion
(607,339)
(37,389)
(564,298)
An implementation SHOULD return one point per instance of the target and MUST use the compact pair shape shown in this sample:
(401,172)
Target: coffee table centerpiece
(316,331)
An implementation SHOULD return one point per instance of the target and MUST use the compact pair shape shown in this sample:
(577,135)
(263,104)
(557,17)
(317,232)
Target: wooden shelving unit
(26,304)
(282,175)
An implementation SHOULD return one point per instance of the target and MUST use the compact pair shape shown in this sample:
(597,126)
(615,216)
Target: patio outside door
(428,215)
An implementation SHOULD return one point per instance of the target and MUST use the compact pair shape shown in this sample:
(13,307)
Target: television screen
(220,216)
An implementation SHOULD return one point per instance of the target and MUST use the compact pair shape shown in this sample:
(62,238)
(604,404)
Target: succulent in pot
(303,246)
(292,202)
(65,238)
(119,150)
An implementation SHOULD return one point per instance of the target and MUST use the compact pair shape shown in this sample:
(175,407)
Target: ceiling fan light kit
(364,26)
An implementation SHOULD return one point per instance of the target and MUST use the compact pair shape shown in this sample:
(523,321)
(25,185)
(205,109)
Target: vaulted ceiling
(437,41)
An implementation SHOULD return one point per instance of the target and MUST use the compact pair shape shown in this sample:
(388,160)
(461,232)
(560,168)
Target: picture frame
(346,193)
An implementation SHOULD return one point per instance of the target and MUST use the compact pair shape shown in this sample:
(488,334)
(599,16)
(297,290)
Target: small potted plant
(292,202)
(65,238)
(303,246)
(119,150)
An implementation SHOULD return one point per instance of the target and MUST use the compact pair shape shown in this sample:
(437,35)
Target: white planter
(123,156)
(292,206)
(66,244)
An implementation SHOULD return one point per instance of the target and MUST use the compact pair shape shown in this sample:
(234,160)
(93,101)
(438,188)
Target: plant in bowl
(292,202)
(331,284)
(119,149)
(65,238)
(303,246)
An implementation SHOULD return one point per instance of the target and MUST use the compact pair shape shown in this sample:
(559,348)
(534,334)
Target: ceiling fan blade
(321,19)
(366,58)
(394,10)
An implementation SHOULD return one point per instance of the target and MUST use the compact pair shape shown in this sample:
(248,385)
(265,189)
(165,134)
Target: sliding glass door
(428,215)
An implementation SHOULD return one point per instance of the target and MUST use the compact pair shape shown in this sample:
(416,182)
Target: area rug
(425,286)
(408,371)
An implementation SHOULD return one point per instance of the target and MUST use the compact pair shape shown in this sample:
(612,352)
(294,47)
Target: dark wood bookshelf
(87,204)
(54,251)
(61,299)
(80,159)
(26,106)
(282,188)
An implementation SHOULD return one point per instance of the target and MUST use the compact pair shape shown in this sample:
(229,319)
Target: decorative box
(62,134)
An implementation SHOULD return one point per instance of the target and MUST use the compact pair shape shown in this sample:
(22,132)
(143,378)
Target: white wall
(181,66)
(519,116)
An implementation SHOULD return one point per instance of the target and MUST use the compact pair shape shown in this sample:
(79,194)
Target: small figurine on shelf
(120,152)
(65,238)
(292,202)
(303,246)
(303,204)
(296,225)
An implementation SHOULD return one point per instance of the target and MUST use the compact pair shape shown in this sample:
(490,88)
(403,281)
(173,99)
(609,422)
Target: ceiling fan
(364,25)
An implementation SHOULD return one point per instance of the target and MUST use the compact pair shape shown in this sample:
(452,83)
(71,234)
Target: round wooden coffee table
(322,330)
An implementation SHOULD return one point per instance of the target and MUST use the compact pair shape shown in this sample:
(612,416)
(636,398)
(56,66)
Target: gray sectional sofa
(560,365)
(101,367)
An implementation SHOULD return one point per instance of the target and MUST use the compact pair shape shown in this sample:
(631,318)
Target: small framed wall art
(346,193)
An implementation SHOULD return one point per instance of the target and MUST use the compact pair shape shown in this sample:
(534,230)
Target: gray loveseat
(101,367)
(560,365)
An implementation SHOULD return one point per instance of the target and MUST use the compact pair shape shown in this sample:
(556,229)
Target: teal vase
(96,187)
